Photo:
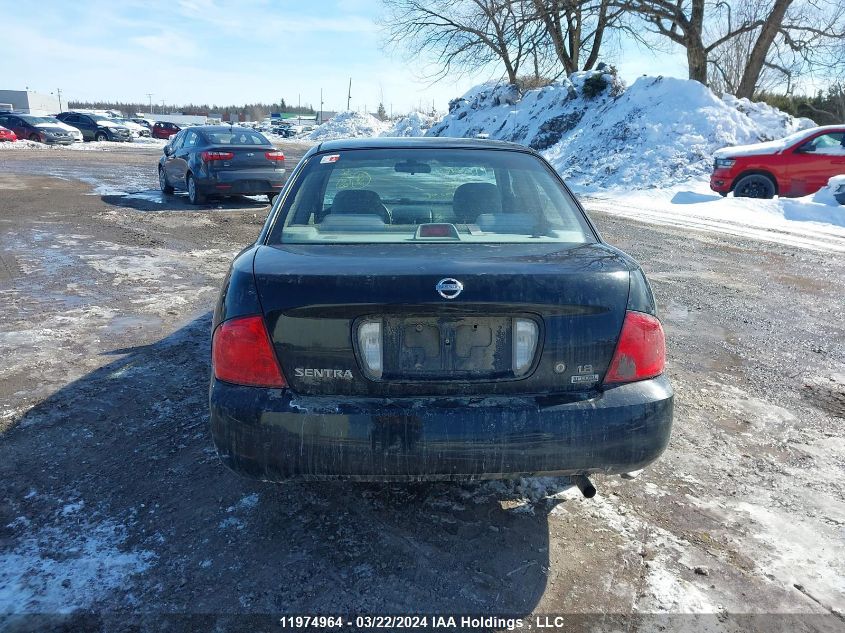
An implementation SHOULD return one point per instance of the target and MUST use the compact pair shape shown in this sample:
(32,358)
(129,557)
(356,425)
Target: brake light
(241,353)
(640,352)
(274,155)
(207,157)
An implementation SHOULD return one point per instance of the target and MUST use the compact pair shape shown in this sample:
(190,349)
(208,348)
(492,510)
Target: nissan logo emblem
(449,288)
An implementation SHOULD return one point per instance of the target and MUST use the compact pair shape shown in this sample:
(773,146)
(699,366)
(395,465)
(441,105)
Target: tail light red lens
(210,156)
(640,352)
(241,353)
(274,155)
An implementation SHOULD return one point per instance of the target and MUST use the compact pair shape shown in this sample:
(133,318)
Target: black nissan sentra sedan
(221,160)
(419,309)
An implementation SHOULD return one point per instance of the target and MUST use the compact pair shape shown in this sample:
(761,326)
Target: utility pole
(349,94)
(321,106)
(150,97)
(59,94)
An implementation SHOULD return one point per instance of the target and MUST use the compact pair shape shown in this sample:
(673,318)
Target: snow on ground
(348,125)
(597,133)
(138,143)
(68,565)
(816,222)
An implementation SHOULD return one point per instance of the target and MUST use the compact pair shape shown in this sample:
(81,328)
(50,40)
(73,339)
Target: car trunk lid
(315,298)
(237,157)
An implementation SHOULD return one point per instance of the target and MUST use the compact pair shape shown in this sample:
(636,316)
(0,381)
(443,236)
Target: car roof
(222,128)
(428,142)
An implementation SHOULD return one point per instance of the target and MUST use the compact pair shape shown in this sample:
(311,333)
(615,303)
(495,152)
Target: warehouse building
(29,102)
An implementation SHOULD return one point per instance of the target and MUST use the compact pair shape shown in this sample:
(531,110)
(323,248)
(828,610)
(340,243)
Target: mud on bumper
(272,434)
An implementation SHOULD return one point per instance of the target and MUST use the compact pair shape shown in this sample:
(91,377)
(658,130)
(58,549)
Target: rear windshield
(428,195)
(236,137)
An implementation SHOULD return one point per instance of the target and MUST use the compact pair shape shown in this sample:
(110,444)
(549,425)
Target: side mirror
(807,148)
(168,150)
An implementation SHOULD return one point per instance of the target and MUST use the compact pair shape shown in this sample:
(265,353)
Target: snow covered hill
(599,134)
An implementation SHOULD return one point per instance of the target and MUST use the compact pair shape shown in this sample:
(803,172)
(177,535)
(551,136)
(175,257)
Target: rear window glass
(236,137)
(428,195)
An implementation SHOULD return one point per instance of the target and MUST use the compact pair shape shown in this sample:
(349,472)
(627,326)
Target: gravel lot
(115,513)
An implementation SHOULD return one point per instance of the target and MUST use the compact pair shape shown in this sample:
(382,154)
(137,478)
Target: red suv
(163,129)
(797,165)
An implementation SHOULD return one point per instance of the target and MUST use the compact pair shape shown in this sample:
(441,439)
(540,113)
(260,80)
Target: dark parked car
(33,128)
(164,130)
(94,127)
(221,160)
(435,309)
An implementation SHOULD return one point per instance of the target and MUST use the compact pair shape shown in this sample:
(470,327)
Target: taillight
(207,157)
(241,353)
(640,352)
(274,155)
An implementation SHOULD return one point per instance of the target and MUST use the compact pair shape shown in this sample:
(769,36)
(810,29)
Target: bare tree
(576,29)
(464,35)
(797,38)
(693,25)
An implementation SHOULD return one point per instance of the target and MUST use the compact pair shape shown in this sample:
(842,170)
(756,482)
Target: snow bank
(413,124)
(815,222)
(348,125)
(22,145)
(138,143)
(598,134)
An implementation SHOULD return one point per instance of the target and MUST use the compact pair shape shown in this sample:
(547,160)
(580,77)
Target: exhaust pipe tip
(584,485)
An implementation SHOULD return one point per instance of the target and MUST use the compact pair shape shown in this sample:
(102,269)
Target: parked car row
(38,128)
(70,127)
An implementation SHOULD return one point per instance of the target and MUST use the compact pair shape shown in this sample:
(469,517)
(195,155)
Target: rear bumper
(272,434)
(258,181)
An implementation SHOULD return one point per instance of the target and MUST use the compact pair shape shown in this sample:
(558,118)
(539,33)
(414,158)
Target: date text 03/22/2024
(394,622)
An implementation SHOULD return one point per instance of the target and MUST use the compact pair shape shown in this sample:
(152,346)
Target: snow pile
(413,124)
(22,144)
(772,122)
(833,194)
(814,222)
(598,133)
(348,125)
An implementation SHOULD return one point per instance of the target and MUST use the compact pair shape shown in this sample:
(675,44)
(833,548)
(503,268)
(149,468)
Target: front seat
(359,202)
(475,198)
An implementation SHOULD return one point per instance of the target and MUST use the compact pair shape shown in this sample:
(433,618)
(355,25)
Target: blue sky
(214,51)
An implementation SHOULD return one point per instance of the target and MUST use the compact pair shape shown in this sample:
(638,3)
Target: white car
(54,122)
(137,129)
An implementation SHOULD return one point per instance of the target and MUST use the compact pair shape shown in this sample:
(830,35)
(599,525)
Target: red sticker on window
(331,158)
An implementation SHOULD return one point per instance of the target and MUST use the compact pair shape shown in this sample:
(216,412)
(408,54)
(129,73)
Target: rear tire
(162,181)
(755,186)
(272,197)
(195,196)
(101,136)
(34,137)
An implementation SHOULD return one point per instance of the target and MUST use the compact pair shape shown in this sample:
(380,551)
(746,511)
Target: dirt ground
(115,513)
